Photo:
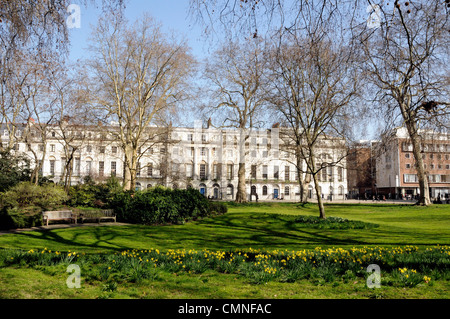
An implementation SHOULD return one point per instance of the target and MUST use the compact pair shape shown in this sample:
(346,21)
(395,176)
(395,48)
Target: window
(202,171)
(203,138)
(286,190)
(175,169)
(190,137)
(229,171)
(102,149)
(410,178)
(275,172)
(150,170)
(41,147)
(52,147)
(88,167)
(407,155)
(101,168)
(113,168)
(253,171)
(138,169)
(63,164)
(114,149)
(286,173)
(264,190)
(192,152)
(76,169)
(408,166)
(216,171)
(203,151)
(41,169)
(189,170)
(52,167)
(324,174)
(340,171)
(88,149)
(264,174)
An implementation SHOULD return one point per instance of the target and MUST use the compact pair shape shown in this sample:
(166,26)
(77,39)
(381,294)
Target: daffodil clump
(408,265)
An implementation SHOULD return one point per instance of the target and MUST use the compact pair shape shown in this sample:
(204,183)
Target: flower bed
(406,266)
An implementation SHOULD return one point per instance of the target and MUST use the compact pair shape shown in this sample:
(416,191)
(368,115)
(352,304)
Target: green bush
(332,223)
(95,195)
(22,204)
(160,205)
(218,208)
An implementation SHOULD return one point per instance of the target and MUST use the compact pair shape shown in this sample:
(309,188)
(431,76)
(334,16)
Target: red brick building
(396,173)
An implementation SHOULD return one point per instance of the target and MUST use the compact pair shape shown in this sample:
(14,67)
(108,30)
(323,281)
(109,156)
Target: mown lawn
(253,227)
(262,226)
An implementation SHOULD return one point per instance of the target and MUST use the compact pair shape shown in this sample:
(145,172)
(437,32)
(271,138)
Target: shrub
(161,205)
(91,194)
(331,223)
(26,194)
(218,208)
(23,203)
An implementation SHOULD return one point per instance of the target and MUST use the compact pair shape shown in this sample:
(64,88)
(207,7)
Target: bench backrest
(88,213)
(58,214)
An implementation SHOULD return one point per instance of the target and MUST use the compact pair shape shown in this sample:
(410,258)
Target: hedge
(160,205)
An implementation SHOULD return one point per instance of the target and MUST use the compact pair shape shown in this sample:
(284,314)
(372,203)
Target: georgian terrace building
(204,158)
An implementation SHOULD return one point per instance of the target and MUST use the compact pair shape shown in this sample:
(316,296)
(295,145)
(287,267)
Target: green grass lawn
(263,226)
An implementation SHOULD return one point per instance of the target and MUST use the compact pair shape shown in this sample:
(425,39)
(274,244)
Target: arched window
(216,191)
(264,190)
(149,185)
(253,190)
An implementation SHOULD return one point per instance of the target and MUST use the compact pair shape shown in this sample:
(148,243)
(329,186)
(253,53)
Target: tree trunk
(301,182)
(241,193)
(319,197)
(316,184)
(424,198)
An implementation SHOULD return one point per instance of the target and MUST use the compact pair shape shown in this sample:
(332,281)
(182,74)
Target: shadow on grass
(233,230)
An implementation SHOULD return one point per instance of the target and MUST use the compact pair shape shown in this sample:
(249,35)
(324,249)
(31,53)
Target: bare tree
(37,112)
(407,58)
(313,81)
(141,74)
(235,74)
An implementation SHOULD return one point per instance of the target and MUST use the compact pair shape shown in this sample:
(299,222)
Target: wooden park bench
(97,214)
(59,215)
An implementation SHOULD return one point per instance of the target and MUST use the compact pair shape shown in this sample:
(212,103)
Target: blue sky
(173,14)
